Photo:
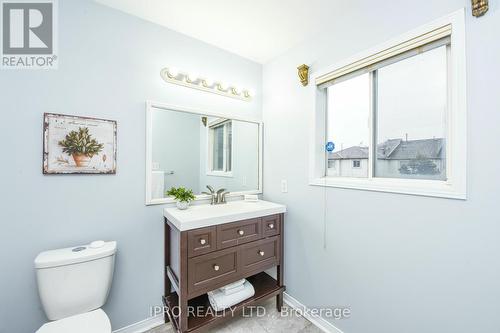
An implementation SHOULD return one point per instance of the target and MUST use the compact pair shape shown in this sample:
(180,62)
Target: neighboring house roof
(355,152)
(396,149)
(386,148)
(426,149)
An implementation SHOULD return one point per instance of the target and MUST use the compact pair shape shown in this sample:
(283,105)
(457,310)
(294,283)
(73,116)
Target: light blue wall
(176,147)
(401,263)
(109,65)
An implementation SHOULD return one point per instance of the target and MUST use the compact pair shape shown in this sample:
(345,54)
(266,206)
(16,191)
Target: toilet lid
(90,322)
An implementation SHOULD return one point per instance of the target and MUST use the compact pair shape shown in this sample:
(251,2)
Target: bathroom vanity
(210,246)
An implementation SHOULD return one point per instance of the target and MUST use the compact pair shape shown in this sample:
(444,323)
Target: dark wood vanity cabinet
(204,259)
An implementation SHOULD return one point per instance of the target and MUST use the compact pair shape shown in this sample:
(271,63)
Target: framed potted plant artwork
(78,145)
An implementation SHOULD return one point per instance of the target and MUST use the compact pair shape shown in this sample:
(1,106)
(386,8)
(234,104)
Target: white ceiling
(255,29)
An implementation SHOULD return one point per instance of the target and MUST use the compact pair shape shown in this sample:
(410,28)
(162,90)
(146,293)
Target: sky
(411,101)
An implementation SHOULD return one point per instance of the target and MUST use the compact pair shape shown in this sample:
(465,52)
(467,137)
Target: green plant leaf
(181,194)
(81,142)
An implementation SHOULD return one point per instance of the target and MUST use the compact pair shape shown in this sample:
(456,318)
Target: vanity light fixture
(479,7)
(171,75)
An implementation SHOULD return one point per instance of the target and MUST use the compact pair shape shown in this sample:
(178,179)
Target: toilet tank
(75,280)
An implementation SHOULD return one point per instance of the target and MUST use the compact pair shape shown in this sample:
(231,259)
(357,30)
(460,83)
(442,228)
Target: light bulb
(192,78)
(173,72)
(207,83)
(221,86)
(248,93)
(234,90)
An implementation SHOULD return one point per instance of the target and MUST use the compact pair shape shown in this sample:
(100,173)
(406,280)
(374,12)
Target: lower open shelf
(265,286)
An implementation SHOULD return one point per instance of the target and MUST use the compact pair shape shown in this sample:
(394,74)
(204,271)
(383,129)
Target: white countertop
(199,216)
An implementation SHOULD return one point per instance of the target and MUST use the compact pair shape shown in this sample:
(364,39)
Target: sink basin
(200,216)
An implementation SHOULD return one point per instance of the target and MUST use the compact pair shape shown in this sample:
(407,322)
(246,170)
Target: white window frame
(210,155)
(456,137)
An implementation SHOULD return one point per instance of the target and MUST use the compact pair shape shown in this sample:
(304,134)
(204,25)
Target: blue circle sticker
(330,146)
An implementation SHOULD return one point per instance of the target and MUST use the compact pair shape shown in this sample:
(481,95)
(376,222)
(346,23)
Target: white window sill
(220,174)
(429,188)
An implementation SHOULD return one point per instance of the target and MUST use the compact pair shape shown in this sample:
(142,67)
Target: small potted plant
(182,196)
(81,146)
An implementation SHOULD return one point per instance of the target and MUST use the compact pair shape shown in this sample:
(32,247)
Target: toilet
(73,284)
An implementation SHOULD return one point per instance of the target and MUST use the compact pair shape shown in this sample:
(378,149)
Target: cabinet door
(210,271)
(237,233)
(201,241)
(260,255)
(271,225)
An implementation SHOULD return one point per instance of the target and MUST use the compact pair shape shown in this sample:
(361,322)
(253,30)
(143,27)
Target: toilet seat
(89,322)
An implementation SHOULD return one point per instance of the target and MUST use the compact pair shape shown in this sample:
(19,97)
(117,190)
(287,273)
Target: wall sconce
(170,75)
(304,74)
(479,7)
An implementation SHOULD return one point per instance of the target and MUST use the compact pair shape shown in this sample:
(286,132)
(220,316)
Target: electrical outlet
(284,186)
(155,166)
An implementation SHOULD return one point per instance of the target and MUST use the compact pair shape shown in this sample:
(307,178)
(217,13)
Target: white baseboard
(143,325)
(319,322)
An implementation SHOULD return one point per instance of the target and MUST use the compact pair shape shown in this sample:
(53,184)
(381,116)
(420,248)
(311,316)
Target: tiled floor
(272,322)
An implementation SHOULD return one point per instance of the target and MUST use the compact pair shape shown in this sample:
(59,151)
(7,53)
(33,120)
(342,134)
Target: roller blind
(427,41)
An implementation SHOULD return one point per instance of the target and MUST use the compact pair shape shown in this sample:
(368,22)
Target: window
(396,116)
(411,117)
(220,147)
(348,114)
(408,126)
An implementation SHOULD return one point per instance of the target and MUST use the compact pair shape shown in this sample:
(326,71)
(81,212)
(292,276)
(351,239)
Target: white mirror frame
(150,105)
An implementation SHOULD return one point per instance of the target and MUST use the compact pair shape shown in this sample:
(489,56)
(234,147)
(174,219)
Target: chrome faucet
(211,194)
(221,196)
(217,197)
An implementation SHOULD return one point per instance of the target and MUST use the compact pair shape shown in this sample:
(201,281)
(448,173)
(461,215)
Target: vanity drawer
(202,241)
(211,269)
(271,225)
(237,233)
(260,255)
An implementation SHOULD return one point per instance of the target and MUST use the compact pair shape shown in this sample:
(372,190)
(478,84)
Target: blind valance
(435,38)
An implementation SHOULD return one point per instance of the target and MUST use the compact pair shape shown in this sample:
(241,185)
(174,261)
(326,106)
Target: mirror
(193,149)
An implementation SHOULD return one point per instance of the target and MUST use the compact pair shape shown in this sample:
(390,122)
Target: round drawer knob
(241,232)
(271,226)
(216,267)
(202,241)
(261,253)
